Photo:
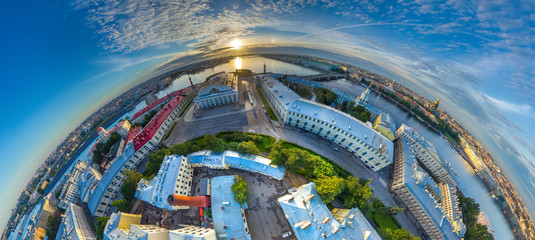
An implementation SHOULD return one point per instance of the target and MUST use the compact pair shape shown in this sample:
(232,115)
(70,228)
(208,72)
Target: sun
(236,44)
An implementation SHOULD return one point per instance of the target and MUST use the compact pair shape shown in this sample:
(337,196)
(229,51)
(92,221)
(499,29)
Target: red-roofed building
(158,102)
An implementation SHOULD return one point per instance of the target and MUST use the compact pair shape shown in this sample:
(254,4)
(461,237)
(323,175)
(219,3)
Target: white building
(188,232)
(223,89)
(70,193)
(359,138)
(174,177)
(123,226)
(426,154)
(75,225)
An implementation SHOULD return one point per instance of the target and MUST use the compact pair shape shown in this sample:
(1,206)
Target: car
(286,234)
(335,148)
(251,130)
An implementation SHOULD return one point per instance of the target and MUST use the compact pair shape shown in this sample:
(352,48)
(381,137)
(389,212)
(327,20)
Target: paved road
(244,117)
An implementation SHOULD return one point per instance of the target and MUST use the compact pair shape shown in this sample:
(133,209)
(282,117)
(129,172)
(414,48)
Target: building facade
(433,208)
(75,225)
(189,232)
(222,90)
(374,149)
(71,192)
(174,177)
(140,146)
(427,155)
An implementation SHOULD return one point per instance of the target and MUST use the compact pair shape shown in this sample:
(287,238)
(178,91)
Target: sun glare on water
(236,44)
(237,62)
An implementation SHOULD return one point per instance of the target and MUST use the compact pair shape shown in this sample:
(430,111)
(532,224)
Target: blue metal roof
(418,183)
(311,219)
(226,212)
(108,176)
(254,163)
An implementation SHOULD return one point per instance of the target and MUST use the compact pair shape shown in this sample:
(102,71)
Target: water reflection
(237,63)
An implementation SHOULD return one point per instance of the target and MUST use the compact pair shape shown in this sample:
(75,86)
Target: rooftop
(108,176)
(425,190)
(151,128)
(159,101)
(227,214)
(311,219)
(286,95)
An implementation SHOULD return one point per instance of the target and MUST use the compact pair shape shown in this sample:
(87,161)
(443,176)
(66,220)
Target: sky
(62,60)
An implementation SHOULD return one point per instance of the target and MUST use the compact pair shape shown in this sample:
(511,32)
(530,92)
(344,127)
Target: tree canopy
(240,190)
(398,234)
(329,187)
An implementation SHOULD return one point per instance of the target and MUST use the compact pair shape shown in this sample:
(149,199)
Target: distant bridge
(325,77)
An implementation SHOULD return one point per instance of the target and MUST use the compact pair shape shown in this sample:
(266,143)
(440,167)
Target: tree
(155,161)
(329,187)
(393,210)
(330,97)
(101,225)
(180,149)
(398,234)
(233,146)
(128,189)
(323,167)
(122,205)
(52,225)
(240,190)
(358,192)
(218,145)
(248,147)
(207,140)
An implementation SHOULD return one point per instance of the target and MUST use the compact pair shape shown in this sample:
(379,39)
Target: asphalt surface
(245,117)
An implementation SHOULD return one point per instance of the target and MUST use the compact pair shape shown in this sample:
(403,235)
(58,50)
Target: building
(427,155)
(189,232)
(124,128)
(433,208)
(118,226)
(75,225)
(222,90)
(137,118)
(227,159)
(384,124)
(148,232)
(311,219)
(88,182)
(140,146)
(71,192)
(39,233)
(227,214)
(174,177)
(47,210)
(374,149)
(150,98)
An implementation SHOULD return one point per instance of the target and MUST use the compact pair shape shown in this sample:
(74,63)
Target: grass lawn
(262,146)
(451,139)
(269,111)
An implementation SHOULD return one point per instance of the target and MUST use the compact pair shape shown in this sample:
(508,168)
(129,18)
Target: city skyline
(81,61)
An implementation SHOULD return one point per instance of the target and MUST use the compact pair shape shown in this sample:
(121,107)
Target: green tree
(52,225)
(248,147)
(122,205)
(323,167)
(101,225)
(180,149)
(128,189)
(240,190)
(207,140)
(358,192)
(320,97)
(233,146)
(393,210)
(398,234)
(218,145)
(330,97)
(329,187)
(155,161)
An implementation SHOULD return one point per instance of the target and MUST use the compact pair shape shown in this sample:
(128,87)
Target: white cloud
(522,109)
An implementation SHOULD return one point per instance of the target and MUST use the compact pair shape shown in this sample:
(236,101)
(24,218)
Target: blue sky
(62,60)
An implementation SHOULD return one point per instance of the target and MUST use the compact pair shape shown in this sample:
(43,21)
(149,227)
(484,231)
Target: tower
(264,68)
(435,104)
(190,82)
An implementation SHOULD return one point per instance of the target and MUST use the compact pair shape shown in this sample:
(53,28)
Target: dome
(100,129)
